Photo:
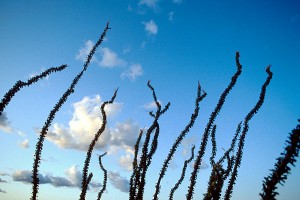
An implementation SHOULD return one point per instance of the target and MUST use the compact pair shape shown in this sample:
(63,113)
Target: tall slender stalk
(62,100)
(135,171)
(186,162)
(104,178)
(85,179)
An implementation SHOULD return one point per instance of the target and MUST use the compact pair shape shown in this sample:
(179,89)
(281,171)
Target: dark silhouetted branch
(85,182)
(282,170)
(186,162)
(104,178)
(20,84)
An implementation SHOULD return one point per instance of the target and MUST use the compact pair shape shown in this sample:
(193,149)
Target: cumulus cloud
(149,3)
(84,51)
(2,191)
(124,135)
(5,124)
(24,144)
(72,179)
(120,183)
(126,161)
(110,59)
(151,28)
(134,71)
(85,122)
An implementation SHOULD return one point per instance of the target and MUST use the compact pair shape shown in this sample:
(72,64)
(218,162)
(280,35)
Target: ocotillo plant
(280,172)
(221,169)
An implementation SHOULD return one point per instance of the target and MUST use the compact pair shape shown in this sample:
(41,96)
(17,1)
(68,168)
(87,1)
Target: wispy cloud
(72,179)
(2,191)
(171,16)
(120,183)
(133,72)
(110,59)
(5,124)
(149,3)
(24,144)
(152,105)
(84,51)
(151,28)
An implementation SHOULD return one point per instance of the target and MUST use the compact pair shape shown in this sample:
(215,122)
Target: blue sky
(173,43)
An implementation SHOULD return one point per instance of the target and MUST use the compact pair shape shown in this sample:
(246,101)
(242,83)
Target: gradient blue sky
(173,43)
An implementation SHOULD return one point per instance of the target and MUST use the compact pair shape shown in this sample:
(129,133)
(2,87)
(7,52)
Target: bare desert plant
(226,167)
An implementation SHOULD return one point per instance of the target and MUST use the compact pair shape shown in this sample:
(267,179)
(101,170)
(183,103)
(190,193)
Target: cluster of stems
(138,178)
(61,101)
(202,148)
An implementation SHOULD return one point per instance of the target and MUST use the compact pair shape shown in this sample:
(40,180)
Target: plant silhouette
(226,167)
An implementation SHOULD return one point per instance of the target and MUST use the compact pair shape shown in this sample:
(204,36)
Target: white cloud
(134,71)
(73,178)
(152,105)
(120,183)
(151,27)
(84,51)
(150,3)
(83,126)
(5,124)
(110,59)
(24,144)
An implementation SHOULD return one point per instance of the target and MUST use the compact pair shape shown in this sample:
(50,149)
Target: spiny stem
(85,182)
(105,177)
(20,84)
